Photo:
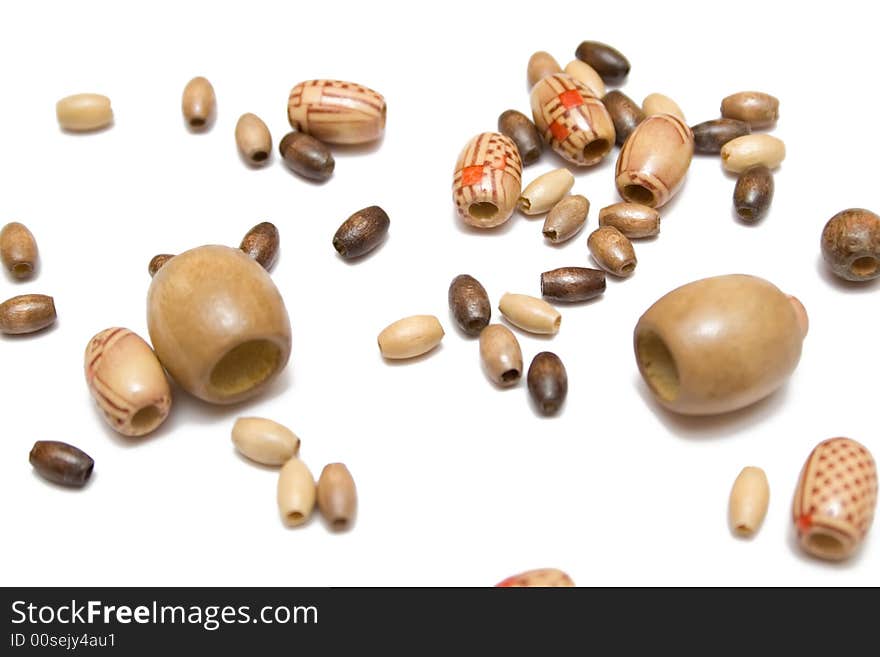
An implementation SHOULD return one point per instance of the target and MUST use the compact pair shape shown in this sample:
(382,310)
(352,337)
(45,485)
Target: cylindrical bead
(199,104)
(625,114)
(586,75)
(84,112)
(361,232)
(530,313)
(710,136)
(566,218)
(296,492)
(548,382)
(660,104)
(612,251)
(487,180)
(264,441)
(756,108)
(61,463)
(607,61)
(307,156)
(748,151)
(410,337)
(632,219)
(469,304)
(501,355)
(571,284)
(27,313)
(518,127)
(337,112)
(541,64)
(253,139)
(545,191)
(18,250)
(753,193)
(262,243)
(749,498)
(337,496)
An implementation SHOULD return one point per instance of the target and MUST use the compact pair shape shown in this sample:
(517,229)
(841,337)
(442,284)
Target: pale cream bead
(264,441)
(84,112)
(587,76)
(296,492)
(751,150)
(749,498)
(530,313)
(659,104)
(410,337)
(545,191)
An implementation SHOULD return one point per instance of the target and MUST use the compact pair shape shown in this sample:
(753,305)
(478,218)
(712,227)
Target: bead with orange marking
(487,181)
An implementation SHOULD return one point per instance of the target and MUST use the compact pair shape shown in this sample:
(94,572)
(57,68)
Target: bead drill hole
(745,213)
(245,367)
(743,529)
(474,325)
(510,375)
(146,419)
(550,235)
(197,123)
(628,268)
(658,365)
(339,524)
(295,516)
(596,148)
(638,194)
(865,266)
(483,210)
(826,544)
(260,156)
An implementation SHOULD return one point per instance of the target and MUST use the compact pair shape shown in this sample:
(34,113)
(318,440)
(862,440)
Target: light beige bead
(542,577)
(264,441)
(84,112)
(749,498)
(253,139)
(545,191)
(632,219)
(587,75)
(127,381)
(530,313)
(612,251)
(660,104)
(410,337)
(296,492)
(541,64)
(566,218)
(199,103)
(751,150)
(501,355)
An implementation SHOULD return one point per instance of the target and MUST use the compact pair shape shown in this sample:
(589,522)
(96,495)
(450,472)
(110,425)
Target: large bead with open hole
(487,180)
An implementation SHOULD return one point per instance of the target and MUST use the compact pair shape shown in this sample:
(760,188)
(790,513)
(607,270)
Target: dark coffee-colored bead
(307,156)
(548,382)
(753,193)
(710,136)
(607,61)
(361,232)
(572,283)
(261,243)
(625,113)
(524,134)
(61,463)
(469,304)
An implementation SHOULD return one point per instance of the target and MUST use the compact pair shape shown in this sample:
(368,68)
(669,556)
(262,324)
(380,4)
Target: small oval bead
(501,355)
(337,112)
(710,136)
(607,61)
(253,139)
(361,232)
(261,243)
(548,382)
(543,577)
(296,492)
(572,284)
(541,64)
(199,104)
(27,313)
(748,151)
(61,463)
(851,244)
(157,262)
(307,156)
(753,193)
(18,250)
(264,441)
(586,74)
(127,381)
(749,498)
(410,337)
(518,127)
(530,313)
(566,218)
(469,304)
(545,191)
(758,109)
(487,180)
(84,112)
(337,496)
(632,219)
(655,103)
(625,114)
(612,251)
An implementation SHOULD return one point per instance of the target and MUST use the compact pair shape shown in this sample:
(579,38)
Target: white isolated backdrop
(460,483)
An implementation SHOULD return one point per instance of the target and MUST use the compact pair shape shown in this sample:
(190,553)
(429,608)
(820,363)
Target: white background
(460,483)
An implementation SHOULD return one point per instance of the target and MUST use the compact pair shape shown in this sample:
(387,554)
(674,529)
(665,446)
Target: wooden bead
(851,244)
(84,112)
(296,493)
(572,120)
(501,355)
(487,180)
(530,313)
(586,75)
(835,499)
(127,382)
(199,104)
(749,151)
(718,344)
(18,250)
(337,496)
(612,251)
(262,243)
(337,112)
(27,313)
(410,337)
(157,262)
(625,114)
(61,463)
(572,284)
(307,156)
(361,232)
(710,136)
(253,139)
(545,191)
(749,498)
(632,219)
(758,109)
(543,577)
(654,160)
(655,103)
(218,324)
(607,61)
(566,218)
(548,382)
(264,441)
(469,304)
(541,64)
(524,134)
(753,193)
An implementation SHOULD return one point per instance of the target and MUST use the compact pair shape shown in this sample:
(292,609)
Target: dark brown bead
(753,193)
(572,283)
(524,134)
(851,244)
(61,463)
(625,113)
(261,243)
(548,382)
(158,262)
(710,136)
(26,313)
(469,304)
(361,232)
(307,156)
(608,62)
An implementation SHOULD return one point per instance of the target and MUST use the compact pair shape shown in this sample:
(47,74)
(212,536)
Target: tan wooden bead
(84,112)
(27,313)
(545,191)
(337,496)
(530,313)
(296,492)
(566,218)
(336,111)
(253,139)
(749,499)
(543,577)
(264,441)
(157,262)
(756,108)
(659,104)
(632,219)
(410,337)
(587,75)
(612,251)
(748,151)
(18,250)
(487,180)
(541,64)
(501,355)
(199,104)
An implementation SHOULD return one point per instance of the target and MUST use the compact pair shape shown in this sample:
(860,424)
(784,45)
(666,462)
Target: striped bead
(487,180)
(337,112)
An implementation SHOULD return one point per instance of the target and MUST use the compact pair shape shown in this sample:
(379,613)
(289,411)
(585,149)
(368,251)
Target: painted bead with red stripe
(337,112)
(488,180)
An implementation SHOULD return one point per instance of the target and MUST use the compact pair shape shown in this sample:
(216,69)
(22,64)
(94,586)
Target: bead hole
(483,210)
(475,325)
(550,234)
(638,194)
(745,213)
(339,524)
(197,122)
(628,268)
(596,149)
(22,269)
(510,376)
(865,266)
(244,367)
(295,517)
(260,156)
(826,544)
(146,419)
(658,365)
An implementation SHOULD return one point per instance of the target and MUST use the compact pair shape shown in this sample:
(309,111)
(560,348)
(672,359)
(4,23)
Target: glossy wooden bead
(337,112)
(362,232)
(625,114)
(835,499)
(851,244)
(84,112)
(487,180)
(541,64)
(262,243)
(753,193)
(264,441)
(718,344)
(518,127)
(127,382)
(632,219)
(572,120)
(710,136)
(612,251)
(307,156)
(61,463)
(607,61)
(199,103)
(296,493)
(530,313)
(18,250)
(543,577)
(469,304)
(501,355)
(566,218)
(654,160)
(749,151)
(570,284)
(660,104)
(749,498)
(410,337)
(157,262)
(545,191)
(218,324)
(586,75)
(337,496)
(548,382)
(253,139)
(758,109)
(27,313)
